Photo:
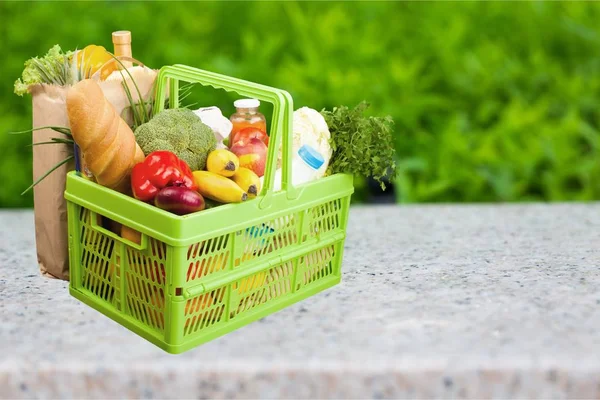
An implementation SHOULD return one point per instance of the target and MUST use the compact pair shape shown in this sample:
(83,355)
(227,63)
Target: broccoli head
(181,131)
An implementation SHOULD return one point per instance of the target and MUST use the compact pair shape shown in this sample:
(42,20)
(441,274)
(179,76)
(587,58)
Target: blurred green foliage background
(492,101)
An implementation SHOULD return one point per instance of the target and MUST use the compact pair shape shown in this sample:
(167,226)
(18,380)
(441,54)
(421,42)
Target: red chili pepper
(160,169)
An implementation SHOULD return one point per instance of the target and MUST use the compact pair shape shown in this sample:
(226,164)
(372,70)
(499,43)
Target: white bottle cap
(246,103)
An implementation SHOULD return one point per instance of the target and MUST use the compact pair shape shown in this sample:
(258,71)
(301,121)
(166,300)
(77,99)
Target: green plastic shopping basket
(193,278)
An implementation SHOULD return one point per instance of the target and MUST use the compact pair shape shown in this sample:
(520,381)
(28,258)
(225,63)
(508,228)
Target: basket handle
(99,228)
(280,125)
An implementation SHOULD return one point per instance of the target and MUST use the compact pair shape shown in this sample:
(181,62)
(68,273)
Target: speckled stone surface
(436,301)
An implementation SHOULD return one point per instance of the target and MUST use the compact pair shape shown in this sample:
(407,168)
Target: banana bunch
(224,180)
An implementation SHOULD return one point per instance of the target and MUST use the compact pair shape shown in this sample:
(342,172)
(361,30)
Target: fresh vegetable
(248,181)
(54,68)
(361,145)
(249,133)
(213,117)
(180,131)
(179,200)
(91,58)
(67,139)
(140,111)
(211,203)
(222,162)
(226,142)
(252,154)
(218,188)
(160,169)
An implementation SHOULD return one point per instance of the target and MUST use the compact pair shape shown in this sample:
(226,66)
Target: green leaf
(59,129)
(54,168)
(137,118)
(361,145)
(55,141)
(129,97)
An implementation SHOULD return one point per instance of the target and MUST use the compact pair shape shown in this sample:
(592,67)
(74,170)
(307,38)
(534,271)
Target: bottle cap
(121,37)
(311,156)
(246,103)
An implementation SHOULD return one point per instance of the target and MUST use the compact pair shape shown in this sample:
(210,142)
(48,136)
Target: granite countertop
(435,301)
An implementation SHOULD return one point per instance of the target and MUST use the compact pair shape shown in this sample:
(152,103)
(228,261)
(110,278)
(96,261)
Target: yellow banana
(248,181)
(218,188)
(251,283)
(222,162)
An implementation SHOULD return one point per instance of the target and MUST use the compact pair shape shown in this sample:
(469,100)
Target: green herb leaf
(137,118)
(55,141)
(59,129)
(360,145)
(142,103)
(54,168)
(47,69)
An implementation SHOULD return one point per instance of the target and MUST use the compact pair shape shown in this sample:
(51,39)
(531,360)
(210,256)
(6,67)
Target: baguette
(106,141)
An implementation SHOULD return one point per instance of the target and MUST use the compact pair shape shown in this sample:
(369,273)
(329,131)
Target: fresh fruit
(158,272)
(198,304)
(222,162)
(202,311)
(206,266)
(92,58)
(195,249)
(218,188)
(252,154)
(156,309)
(192,306)
(252,290)
(111,225)
(280,273)
(249,133)
(105,286)
(252,162)
(248,181)
(250,283)
(179,200)
(131,234)
(320,258)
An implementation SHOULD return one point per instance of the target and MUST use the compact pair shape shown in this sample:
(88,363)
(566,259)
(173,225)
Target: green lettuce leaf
(54,68)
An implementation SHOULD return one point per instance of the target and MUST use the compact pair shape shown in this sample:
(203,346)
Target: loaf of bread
(106,141)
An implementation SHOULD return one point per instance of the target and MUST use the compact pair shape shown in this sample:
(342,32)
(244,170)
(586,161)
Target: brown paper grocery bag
(113,88)
(50,209)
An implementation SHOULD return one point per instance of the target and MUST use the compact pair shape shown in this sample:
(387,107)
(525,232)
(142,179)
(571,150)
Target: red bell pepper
(160,169)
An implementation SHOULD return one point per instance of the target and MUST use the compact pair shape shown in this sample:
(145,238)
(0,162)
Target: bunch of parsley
(361,145)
